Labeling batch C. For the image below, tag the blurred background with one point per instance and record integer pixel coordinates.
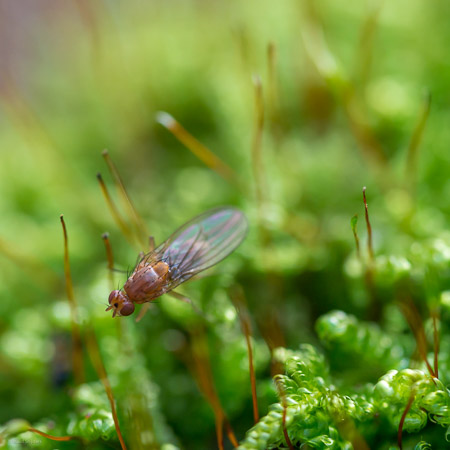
(302, 103)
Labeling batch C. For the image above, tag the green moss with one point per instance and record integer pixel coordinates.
(343, 96)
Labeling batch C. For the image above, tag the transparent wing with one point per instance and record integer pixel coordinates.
(202, 242)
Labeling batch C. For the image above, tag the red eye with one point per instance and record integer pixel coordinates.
(127, 309)
(112, 296)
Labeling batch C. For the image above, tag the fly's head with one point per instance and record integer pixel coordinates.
(120, 304)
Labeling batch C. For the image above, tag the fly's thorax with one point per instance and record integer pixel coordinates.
(147, 282)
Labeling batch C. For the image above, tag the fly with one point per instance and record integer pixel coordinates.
(194, 247)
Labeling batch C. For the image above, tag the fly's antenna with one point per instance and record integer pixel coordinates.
(78, 365)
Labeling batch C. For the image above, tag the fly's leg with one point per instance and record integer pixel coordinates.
(139, 259)
(143, 311)
(176, 295)
(141, 256)
(185, 299)
(151, 243)
(206, 274)
(119, 270)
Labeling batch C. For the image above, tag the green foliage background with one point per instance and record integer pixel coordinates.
(340, 114)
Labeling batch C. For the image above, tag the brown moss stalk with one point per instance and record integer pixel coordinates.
(124, 228)
(273, 93)
(49, 436)
(77, 354)
(138, 223)
(97, 362)
(415, 322)
(369, 228)
(201, 368)
(416, 139)
(257, 164)
(402, 419)
(239, 302)
(436, 345)
(198, 149)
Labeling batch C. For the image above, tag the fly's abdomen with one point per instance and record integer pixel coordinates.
(147, 282)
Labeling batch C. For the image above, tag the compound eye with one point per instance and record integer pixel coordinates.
(112, 296)
(127, 309)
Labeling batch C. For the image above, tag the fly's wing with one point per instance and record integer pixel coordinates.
(202, 242)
